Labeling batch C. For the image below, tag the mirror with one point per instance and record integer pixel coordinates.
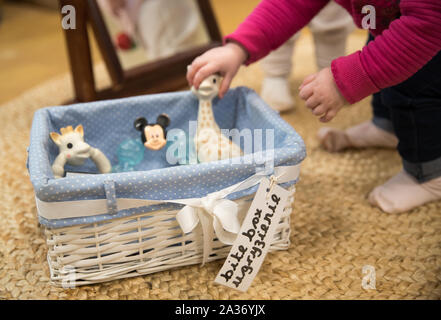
(146, 44)
(143, 31)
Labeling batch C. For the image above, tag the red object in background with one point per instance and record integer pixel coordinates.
(123, 41)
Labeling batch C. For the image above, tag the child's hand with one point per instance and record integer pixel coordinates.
(322, 95)
(226, 60)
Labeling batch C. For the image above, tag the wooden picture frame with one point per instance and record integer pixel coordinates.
(166, 74)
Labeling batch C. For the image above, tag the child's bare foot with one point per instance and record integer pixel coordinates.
(402, 193)
(364, 135)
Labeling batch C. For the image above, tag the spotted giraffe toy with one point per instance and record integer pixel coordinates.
(210, 143)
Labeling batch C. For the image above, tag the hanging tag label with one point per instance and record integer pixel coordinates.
(256, 234)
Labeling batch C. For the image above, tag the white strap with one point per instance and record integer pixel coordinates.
(87, 208)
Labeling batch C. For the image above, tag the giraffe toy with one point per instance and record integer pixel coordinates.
(210, 143)
(74, 151)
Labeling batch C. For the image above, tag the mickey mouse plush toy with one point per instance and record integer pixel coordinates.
(153, 135)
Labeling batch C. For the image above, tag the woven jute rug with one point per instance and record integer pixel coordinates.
(336, 233)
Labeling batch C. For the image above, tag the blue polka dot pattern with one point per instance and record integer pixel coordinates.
(109, 189)
(108, 123)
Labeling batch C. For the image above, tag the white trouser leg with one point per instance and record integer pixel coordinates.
(279, 62)
(277, 68)
(330, 29)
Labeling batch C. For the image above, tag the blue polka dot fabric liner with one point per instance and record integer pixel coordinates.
(108, 123)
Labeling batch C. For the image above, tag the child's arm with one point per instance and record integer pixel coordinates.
(271, 24)
(399, 52)
(406, 46)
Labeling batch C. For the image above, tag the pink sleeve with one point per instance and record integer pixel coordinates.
(394, 56)
(272, 23)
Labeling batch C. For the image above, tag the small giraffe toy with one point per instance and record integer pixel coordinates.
(210, 143)
(74, 151)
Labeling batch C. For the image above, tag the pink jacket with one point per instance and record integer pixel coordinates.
(408, 35)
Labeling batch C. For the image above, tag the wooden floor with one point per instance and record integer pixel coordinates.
(32, 47)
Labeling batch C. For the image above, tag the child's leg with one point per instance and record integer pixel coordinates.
(377, 132)
(415, 107)
(330, 29)
(277, 68)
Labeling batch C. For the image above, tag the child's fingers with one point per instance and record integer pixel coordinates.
(306, 92)
(312, 102)
(307, 80)
(320, 110)
(328, 116)
(203, 73)
(193, 68)
(225, 84)
(190, 75)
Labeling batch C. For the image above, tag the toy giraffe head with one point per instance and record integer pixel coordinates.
(209, 88)
(71, 144)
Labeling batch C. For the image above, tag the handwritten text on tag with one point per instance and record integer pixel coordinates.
(255, 236)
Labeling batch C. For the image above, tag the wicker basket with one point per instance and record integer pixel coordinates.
(101, 227)
(137, 245)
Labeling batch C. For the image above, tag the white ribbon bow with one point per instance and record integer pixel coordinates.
(223, 211)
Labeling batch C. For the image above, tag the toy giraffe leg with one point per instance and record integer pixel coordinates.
(210, 144)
